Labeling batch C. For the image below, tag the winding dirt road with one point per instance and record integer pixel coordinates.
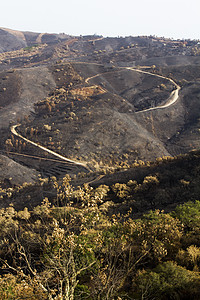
(170, 100)
(13, 130)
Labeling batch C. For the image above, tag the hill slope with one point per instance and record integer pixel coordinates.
(80, 97)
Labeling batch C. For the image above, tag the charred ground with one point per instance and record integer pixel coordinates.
(77, 97)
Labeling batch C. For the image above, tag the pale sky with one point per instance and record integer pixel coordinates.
(169, 18)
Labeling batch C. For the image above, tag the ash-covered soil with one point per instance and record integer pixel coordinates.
(77, 97)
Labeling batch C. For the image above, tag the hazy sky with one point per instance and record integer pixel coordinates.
(169, 18)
